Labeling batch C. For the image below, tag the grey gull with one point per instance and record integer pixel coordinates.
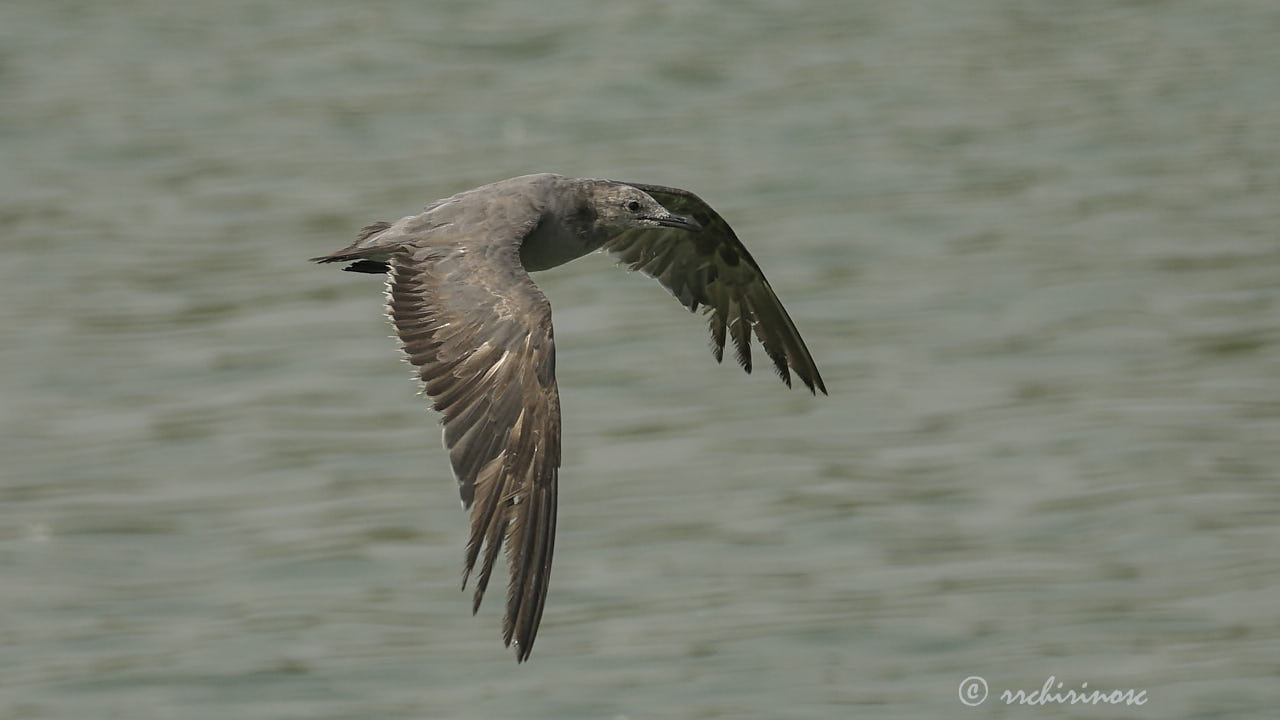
(479, 333)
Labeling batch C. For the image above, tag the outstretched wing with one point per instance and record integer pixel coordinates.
(479, 332)
(711, 268)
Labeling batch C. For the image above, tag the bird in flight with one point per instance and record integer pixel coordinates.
(478, 332)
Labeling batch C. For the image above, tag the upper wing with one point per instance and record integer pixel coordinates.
(479, 332)
(712, 268)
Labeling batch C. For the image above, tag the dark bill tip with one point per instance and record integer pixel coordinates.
(679, 222)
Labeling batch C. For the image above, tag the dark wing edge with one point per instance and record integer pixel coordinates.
(713, 270)
(483, 347)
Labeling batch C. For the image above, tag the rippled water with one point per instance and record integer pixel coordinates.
(1033, 246)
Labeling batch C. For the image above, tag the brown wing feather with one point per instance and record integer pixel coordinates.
(712, 269)
(479, 332)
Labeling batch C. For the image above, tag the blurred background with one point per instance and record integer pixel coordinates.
(1032, 245)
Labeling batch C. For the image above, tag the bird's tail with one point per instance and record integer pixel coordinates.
(364, 259)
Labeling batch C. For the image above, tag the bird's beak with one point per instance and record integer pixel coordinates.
(679, 222)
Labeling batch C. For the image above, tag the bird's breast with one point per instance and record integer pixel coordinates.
(551, 244)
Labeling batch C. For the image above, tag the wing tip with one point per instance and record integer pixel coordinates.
(523, 650)
(815, 384)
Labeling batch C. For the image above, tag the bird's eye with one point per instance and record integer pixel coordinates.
(633, 206)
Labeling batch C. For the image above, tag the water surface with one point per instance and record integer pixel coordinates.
(1032, 246)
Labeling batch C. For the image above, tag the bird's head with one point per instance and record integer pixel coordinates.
(619, 207)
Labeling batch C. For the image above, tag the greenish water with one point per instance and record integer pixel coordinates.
(1032, 245)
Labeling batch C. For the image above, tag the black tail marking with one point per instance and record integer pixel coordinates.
(373, 267)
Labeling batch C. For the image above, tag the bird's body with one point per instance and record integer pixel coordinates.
(479, 332)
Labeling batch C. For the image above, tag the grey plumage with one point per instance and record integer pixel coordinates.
(479, 333)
